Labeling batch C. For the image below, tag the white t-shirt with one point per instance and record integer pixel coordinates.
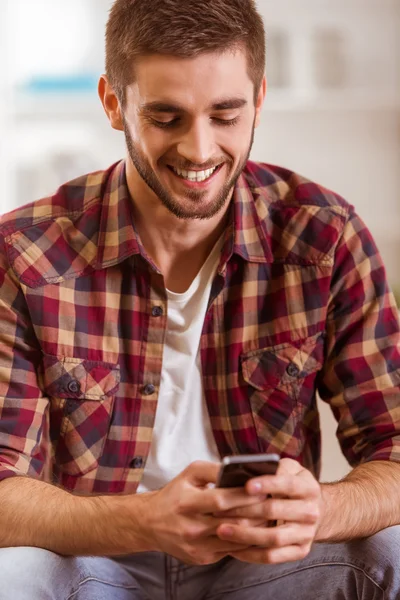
(182, 430)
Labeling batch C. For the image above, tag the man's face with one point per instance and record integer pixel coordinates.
(189, 128)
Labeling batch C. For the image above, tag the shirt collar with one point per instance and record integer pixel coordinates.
(117, 236)
(246, 234)
(250, 212)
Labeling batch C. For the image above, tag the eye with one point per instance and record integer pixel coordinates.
(164, 124)
(176, 121)
(226, 122)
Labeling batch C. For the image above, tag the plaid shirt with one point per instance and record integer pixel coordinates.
(299, 304)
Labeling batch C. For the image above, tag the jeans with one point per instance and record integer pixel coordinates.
(365, 569)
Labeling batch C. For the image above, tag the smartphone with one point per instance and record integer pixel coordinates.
(236, 470)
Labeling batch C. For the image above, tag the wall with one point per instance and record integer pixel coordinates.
(332, 112)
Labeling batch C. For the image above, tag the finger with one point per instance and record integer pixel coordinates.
(288, 466)
(275, 509)
(211, 552)
(216, 500)
(214, 544)
(244, 522)
(289, 486)
(201, 472)
(273, 555)
(270, 537)
(207, 525)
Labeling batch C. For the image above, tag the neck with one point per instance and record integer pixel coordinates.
(179, 247)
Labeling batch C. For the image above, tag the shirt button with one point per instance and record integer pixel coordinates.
(149, 389)
(137, 463)
(157, 311)
(293, 370)
(74, 386)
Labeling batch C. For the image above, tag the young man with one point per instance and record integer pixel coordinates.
(184, 305)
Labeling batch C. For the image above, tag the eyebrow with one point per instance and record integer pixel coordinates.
(166, 107)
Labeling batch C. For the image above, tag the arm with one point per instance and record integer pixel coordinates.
(363, 503)
(23, 406)
(360, 380)
(176, 519)
(35, 513)
(360, 505)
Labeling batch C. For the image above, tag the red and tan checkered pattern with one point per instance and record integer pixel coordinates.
(299, 304)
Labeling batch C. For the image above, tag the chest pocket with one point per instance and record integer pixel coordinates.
(81, 393)
(281, 390)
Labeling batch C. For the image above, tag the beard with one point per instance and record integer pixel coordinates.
(193, 207)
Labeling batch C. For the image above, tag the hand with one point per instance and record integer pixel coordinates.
(296, 505)
(178, 519)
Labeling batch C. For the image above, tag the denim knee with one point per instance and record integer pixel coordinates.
(380, 554)
(381, 549)
(28, 573)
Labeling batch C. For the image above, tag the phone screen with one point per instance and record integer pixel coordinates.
(237, 470)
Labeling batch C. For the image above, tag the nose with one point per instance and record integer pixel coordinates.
(196, 144)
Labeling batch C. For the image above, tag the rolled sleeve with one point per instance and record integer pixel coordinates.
(361, 376)
(23, 407)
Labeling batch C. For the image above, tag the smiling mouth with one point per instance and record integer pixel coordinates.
(195, 176)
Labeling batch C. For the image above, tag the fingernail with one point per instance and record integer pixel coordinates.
(255, 487)
(228, 531)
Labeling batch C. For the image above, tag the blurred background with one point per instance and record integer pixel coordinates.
(332, 112)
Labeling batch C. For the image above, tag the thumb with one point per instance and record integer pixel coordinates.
(201, 472)
(288, 466)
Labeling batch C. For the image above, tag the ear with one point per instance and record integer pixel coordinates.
(260, 101)
(110, 103)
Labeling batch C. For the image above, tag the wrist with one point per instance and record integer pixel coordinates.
(142, 520)
(324, 530)
(339, 512)
(126, 523)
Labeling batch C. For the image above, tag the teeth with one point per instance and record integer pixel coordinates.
(195, 175)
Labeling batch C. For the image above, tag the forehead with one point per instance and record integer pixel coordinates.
(191, 82)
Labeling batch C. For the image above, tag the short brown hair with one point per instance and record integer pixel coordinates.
(183, 28)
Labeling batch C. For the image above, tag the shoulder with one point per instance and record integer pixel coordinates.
(57, 237)
(71, 201)
(280, 188)
(303, 221)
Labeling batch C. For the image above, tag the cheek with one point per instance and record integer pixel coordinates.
(152, 147)
(143, 135)
(235, 141)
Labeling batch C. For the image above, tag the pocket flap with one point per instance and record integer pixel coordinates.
(282, 365)
(53, 251)
(66, 377)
